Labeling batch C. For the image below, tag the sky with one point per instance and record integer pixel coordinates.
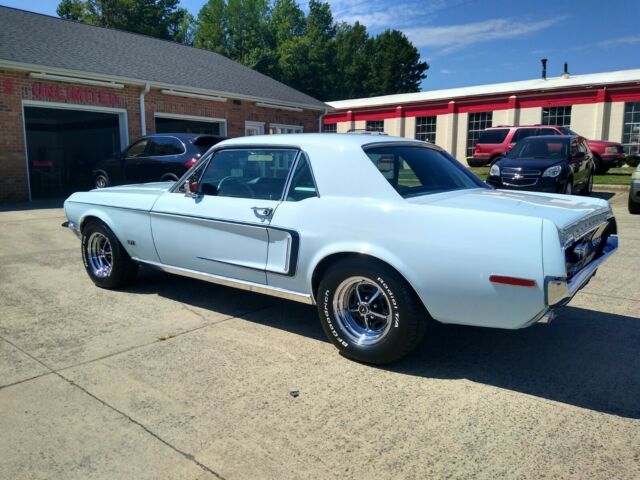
(472, 42)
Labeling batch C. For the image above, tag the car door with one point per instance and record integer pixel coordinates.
(576, 161)
(134, 156)
(163, 151)
(223, 229)
(584, 161)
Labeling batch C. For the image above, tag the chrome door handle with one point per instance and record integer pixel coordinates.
(263, 211)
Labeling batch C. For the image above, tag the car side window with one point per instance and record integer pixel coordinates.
(302, 184)
(547, 131)
(248, 173)
(163, 146)
(137, 149)
(523, 133)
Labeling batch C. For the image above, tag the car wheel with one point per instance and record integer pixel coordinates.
(369, 312)
(588, 188)
(477, 163)
(634, 207)
(169, 177)
(105, 259)
(600, 167)
(101, 180)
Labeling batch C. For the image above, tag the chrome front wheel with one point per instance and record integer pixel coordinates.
(99, 255)
(105, 260)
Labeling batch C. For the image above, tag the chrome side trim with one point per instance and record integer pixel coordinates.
(231, 282)
(73, 227)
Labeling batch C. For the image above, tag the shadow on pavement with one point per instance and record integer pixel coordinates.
(35, 205)
(584, 358)
(603, 195)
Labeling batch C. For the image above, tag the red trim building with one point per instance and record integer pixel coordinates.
(603, 106)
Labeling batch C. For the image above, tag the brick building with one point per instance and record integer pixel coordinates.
(72, 94)
(599, 106)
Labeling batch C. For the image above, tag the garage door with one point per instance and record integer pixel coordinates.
(63, 145)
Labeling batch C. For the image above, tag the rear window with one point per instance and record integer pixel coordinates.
(417, 170)
(205, 143)
(493, 136)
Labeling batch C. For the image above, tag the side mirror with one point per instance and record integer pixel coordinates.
(190, 188)
(578, 156)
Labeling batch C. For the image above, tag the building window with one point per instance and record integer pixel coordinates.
(631, 132)
(477, 123)
(426, 129)
(276, 128)
(560, 116)
(330, 128)
(253, 128)
(374, 126)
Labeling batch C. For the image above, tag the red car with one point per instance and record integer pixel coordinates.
(495, 142)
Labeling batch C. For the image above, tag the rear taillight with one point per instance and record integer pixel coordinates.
(190, 163)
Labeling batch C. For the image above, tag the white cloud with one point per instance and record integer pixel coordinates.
(381, 14)
(454, 37)
(446, 71)
(614, 42)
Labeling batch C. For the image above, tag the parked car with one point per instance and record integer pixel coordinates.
(153, 158)
(497, 141)
(379, 232)
(634, 192)
(558, 163)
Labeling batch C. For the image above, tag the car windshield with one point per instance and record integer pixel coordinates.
(419, 170)
(567, 131)
(539, 148)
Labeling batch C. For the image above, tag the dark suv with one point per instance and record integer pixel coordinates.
(163, 157)
(497, 141)
(552, 163)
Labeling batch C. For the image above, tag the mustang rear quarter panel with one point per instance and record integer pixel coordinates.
(446, 254)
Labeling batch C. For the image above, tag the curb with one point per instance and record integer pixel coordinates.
(606, 188)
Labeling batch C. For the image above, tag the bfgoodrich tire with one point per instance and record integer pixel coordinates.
(105, 259)
(369, 312)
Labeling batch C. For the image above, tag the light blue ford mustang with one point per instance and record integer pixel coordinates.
(384, 234)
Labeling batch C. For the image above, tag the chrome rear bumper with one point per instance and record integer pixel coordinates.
(559, 292)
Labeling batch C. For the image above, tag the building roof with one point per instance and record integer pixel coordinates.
(32, 39)
(551, 83)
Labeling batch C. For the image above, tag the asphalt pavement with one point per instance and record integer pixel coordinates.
(179, 379)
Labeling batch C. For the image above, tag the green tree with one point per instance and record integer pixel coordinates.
(158, 18)
(287, 21)
(353, 58)
(212, 27)
(395, 65)
(307, 62)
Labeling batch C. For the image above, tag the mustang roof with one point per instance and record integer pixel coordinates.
(39, 40)
(328, 141)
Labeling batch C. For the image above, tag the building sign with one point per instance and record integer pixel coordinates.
(75, 94)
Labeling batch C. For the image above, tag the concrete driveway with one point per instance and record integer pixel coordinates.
(175, 378)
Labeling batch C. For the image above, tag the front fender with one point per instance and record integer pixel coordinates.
(132, 228)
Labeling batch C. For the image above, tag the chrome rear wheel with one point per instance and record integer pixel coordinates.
(363, 310)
